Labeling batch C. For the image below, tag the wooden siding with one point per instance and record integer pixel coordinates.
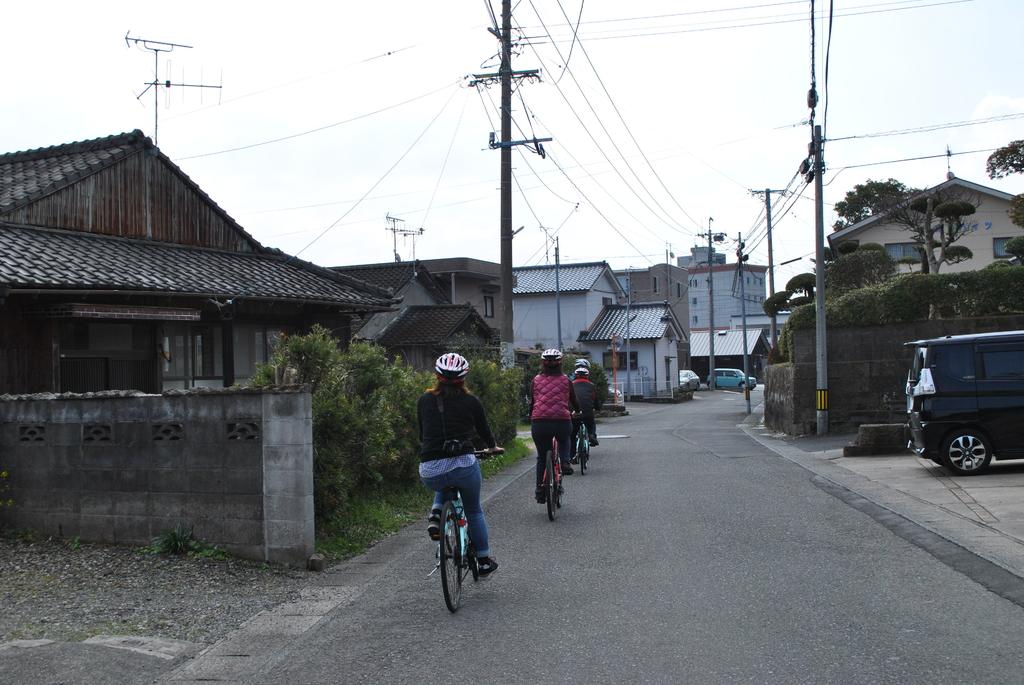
(26, 353)
(139, 197)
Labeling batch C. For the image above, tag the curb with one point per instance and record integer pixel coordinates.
(248, 651)
(985, 542)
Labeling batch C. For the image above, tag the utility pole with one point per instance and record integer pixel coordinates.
(820, 330)
(558, 297)
(740, 258)
(771, 255)
(156, 47)
(629, 296)
(504, 77)
(712, 239)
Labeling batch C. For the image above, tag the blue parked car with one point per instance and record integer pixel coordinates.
(732, 378)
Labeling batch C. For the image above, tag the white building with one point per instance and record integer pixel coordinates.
(988, 230)
(582, 290)
(651, 368)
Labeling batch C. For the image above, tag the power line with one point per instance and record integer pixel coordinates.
(596, 209)
(379, 181)
(629, 130)
(320, 128)
(607, 133)
(753, 24)
(444, 165)
(932, 127)
(575, 38)
(915, 159)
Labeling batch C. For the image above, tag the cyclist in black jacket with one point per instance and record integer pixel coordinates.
(449, 416)
(586, 393)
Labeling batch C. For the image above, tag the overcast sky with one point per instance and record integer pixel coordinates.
(668, 113)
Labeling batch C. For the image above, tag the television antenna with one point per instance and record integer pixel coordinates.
(396, 231)
(156, 47)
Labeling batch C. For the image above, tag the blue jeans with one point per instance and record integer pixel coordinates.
(543, 430)
(468, 480)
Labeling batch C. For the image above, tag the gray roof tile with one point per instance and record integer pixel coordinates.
(532, 280)
(32, 257)
(646, 322)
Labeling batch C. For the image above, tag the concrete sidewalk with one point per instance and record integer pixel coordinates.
(983, 514)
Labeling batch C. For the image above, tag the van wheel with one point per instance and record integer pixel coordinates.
(966, 452)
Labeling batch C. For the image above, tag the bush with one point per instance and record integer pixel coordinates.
(871, 247)
(858, 270)
(915, 297)
(365, 430)
(498, 390)
(847, 247)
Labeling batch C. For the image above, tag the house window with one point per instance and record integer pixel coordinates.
(655, 281)
(607, 362)
(606, 301)
(900, 250)
(488, 307)
(679, 289)
(694, 300)
(694, 319)
(999, 248)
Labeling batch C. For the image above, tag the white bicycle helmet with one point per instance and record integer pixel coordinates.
(552, 354)
(582, 363)
(582, 371)
(452, 366)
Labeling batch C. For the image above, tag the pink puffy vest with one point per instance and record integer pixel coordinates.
(550, 397)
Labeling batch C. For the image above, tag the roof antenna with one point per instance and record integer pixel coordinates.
(396, 231)
(156, 47)
(949, 171)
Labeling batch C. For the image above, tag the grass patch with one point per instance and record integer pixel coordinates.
(373, 516)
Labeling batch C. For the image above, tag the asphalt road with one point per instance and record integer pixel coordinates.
(688, 554)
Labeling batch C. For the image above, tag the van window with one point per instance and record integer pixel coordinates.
(917, 365)
(1003, 362)
(952, 365)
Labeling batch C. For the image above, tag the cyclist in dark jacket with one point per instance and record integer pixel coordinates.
(449, 416)
(586, 394)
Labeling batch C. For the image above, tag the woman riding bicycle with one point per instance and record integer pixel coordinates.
(552, 402)
(448, 417)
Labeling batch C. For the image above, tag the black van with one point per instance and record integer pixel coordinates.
(965, 398)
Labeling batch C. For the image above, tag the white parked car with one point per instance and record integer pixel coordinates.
(688, 380)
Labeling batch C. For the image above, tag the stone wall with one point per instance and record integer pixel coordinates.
(867, 372)
(123, 467)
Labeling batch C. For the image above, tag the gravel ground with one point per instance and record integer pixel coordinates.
(61, 591)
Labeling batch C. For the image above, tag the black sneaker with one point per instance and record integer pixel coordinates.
(567, 469)
(594, 442)
(486, 566)
(434, 524)
(541, 495)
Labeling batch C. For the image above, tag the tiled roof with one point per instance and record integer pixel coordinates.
(646, 322)
(392, 276)
(429, 324)
(531, 280)
(33, 257)
(727, 343)
(30, 175)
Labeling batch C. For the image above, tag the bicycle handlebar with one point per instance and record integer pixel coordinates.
(487, 454)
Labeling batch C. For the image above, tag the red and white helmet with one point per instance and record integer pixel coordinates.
(451, 366)
(551, 356)
(582, 371)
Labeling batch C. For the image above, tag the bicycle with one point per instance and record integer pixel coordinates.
(456, 556)
(552, 480)
(582, 447)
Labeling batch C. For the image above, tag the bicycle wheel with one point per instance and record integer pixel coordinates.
(451, 558)
(550, 485)
(583, 451)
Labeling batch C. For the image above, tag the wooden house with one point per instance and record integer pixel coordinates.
(118, 272)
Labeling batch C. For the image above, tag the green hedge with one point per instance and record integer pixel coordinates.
(364, 412)
(910, 298)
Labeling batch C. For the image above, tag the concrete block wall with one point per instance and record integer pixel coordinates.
(236, 466)
(867, 370)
